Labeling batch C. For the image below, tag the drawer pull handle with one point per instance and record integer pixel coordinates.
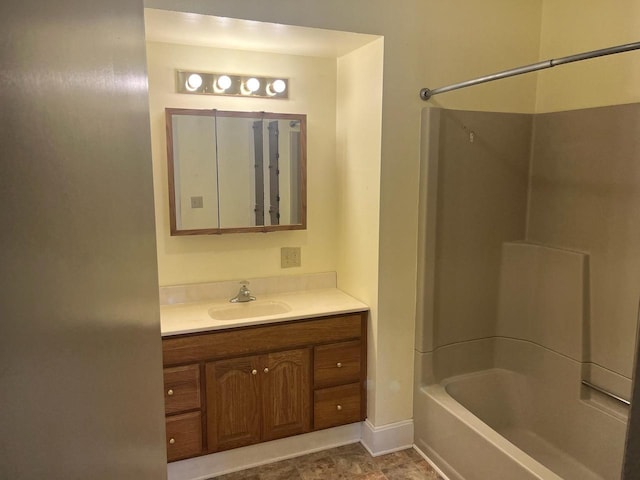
(339, 364)
(172, 441)
(339, 407)
(170, 392)
(266, 370)
(254, 372)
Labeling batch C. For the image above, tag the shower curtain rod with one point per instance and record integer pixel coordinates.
(426, 93)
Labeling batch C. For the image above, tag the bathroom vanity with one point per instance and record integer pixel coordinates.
(232, 383)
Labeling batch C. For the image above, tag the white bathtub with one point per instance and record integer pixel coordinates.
(533, 420)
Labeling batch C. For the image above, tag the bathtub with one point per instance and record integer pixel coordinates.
(532, 420)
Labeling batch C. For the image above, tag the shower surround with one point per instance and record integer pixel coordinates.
(531, 279)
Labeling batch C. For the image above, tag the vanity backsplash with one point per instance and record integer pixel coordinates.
(201, 292)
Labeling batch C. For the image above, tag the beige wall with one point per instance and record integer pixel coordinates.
(464, 40)
(358, 135)
(575, 26)
(235, 256)
(425, 44)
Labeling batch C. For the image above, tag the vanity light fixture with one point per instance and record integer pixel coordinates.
(276, 87)
(202, 83)
(223, 82)
(194, 82)
(252, 84)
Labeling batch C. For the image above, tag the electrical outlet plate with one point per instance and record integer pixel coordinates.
(290, 257)
(196, 202)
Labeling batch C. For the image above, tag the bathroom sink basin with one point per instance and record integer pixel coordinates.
(257, 308)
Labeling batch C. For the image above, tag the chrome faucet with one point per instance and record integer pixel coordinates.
(244, 295)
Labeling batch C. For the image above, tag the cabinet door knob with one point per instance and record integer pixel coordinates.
(169, 392)
(266, 370)
(339, 407)
(254, 372)
(339, 364)
(172, 441)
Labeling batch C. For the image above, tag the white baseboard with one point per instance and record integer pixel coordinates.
(377, 440)
(201, 468)
(387, 438)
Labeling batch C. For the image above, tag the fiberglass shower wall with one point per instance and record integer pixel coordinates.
(585, 196)
(569, 180)
(482, 170)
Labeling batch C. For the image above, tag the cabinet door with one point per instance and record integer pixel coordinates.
(233, 403)
(286, 393)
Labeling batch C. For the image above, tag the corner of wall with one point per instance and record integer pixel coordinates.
(387, 438)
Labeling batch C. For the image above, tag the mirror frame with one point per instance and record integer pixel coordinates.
(302, 118)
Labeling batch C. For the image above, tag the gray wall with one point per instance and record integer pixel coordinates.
(582, 193)
(80, 356)
(585, 196)
(477, 190)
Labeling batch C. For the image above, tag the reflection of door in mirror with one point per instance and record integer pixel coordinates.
(277, 178)
(258, 141)
(274, 172)
(236, 171)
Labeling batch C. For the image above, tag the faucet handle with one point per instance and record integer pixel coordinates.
(244, 294)
(244, 282)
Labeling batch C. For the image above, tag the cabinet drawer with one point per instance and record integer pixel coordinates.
(181, 388)
(184, 436)
(336, 406)
(336, 364)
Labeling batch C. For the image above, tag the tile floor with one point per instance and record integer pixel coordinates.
(346, 462)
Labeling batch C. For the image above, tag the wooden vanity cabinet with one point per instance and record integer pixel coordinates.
(182, 402)
(337, 373)
(258, 398)
(242, 386)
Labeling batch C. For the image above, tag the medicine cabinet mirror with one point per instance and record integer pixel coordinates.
(233, 172)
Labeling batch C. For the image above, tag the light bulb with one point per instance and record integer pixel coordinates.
(253, 84)
(223, 82)
(279, 86)
(193, 82)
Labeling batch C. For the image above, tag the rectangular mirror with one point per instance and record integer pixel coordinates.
(233, 172)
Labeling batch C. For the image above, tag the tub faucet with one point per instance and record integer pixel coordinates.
(244, 295)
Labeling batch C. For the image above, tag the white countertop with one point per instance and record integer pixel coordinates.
(194, 317)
